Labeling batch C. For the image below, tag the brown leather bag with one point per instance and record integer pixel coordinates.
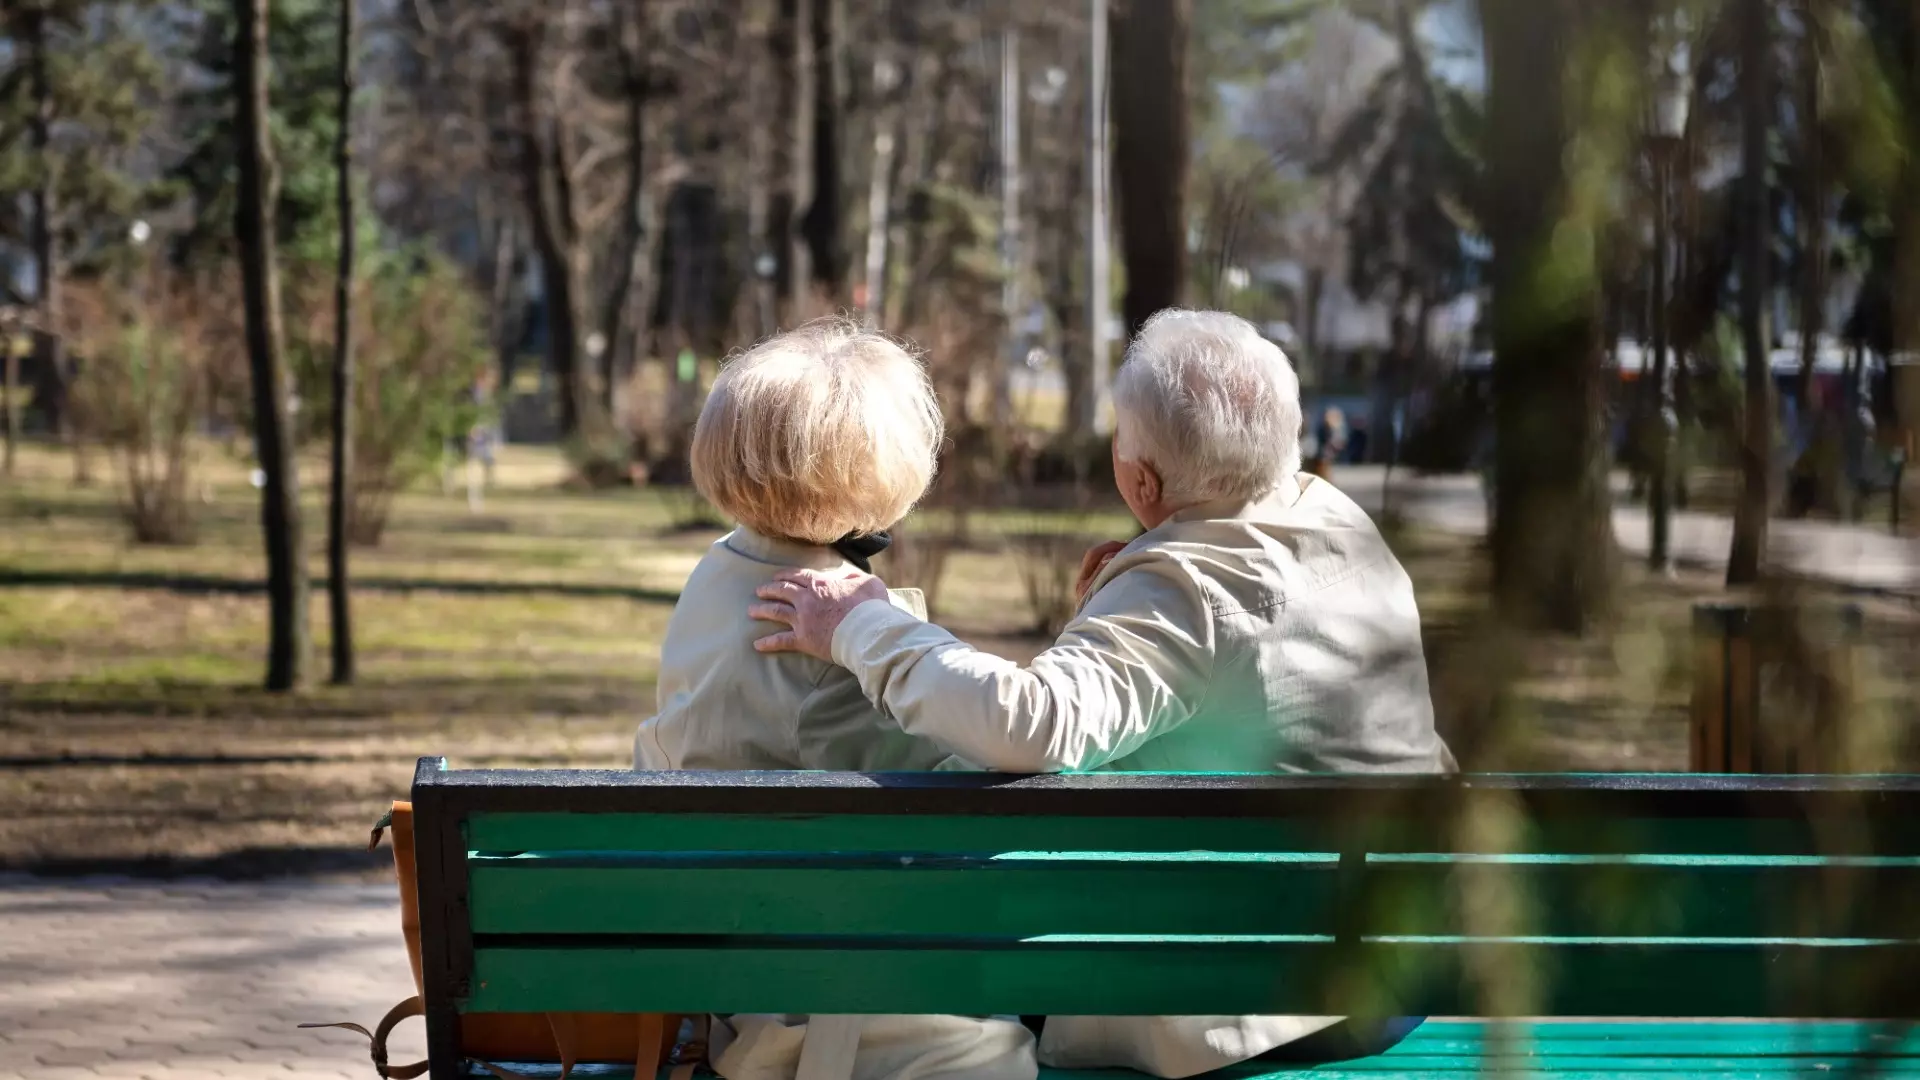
(488, 1037)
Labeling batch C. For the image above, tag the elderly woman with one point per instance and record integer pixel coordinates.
(815, 442)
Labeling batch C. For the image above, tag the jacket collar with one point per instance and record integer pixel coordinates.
(1288, 495)
(775, 552)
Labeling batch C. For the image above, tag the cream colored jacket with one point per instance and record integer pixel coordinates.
(1280, 635)
(724, 706)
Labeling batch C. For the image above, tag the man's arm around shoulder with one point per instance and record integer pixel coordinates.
(1133, 664)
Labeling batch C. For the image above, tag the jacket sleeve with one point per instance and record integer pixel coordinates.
(1133, 664)
(838, 729)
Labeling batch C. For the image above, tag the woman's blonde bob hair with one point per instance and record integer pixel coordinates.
(819, 433)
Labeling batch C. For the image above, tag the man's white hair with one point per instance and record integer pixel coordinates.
(1210, 404)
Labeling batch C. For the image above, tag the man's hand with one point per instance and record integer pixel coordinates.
(812, 605)
(1094, 561)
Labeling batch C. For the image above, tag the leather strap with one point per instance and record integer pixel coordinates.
(377, 1039)
(653, 1037)
(566, 1039)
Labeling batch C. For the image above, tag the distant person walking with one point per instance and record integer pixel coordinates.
(1330, 443)
(483, 439)
(479, 445)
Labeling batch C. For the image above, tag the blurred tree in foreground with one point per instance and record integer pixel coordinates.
(1756, 444)
(1553, 96)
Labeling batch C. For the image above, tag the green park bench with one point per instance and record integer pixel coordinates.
(1619, 924)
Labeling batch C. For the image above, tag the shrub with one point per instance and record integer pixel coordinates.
(418, 350)
(918, 558)
(150, 361)
(688, 511)
(600, 462)
(1047, 554)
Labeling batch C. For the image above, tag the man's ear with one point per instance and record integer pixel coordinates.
(1147, 486)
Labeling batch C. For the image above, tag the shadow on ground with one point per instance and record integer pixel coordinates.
(248, 864)
(214, 584)
(451, 698)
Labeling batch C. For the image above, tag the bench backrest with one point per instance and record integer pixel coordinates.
(1677, 896)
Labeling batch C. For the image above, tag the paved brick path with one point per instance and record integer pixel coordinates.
(179, 981)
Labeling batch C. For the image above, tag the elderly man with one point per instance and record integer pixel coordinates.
(1260, 623)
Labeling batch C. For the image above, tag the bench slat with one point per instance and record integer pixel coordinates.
(1034, 894)
(1720, 898)
(1134, 977)
(1008, 898)
(513, 832)
(906, 834)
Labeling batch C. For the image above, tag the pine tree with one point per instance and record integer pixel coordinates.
(303, 84)
(76, 93)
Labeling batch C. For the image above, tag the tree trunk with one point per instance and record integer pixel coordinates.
(1750, 514)
(339, 591)
(628, 305)
(508, 320)
(289, 645)
(880, 192)
(1813, 209)
(1316, 289)
(1553, 549)
(11, 359)
(923, 112)
(1660, 493)
(762, 262)
(44, 206)
(548, 189)
(801, 190)
(690, 227)
(1065, 228)
(824, 224)
(1150, 150)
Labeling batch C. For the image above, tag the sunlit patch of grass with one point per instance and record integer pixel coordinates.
(160, 674)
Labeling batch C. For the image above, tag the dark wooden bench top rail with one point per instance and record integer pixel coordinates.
(1618, 895)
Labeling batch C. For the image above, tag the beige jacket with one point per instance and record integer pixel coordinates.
(724, 706)
(1276, 636)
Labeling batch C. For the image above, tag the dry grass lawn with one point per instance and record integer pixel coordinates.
(133, 738)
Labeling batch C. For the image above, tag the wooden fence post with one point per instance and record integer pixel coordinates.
(1740, 724)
